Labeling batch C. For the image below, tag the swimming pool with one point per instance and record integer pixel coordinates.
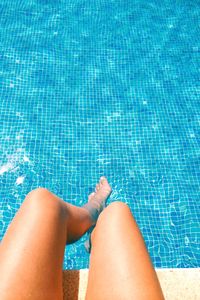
(91, 88)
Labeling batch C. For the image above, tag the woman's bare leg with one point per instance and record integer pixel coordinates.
(120, 267)
(31, 253)
(32, 250)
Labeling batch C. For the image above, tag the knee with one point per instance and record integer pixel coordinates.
(115, 211)
(38, 192)
(38, 196)
(42, 200)
(118, 207)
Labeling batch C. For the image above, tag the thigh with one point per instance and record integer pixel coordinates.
(31, 252)
(120, 267)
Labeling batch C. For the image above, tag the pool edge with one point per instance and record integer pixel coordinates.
(176, 283)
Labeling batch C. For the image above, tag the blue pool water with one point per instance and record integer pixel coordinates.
(91, 88)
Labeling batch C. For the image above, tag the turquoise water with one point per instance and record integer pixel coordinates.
(91, 88)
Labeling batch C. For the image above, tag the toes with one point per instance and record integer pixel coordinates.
(103, 183)
(103, 180)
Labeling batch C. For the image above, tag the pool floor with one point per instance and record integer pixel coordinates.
(91, 88)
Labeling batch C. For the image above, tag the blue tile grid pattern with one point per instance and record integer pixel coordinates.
(91, 88)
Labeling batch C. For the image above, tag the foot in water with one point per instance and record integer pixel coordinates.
(81, 219)
(97, 199)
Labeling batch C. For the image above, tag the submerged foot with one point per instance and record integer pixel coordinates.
(80, 219)
(97, 199)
